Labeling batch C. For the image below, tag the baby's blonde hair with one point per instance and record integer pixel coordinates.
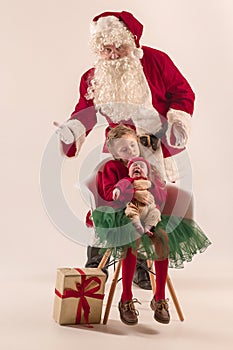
(117, 133)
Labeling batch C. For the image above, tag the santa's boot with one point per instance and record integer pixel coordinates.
(141, 275)
(94, 258)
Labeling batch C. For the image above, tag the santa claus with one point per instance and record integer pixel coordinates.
(137, 86)
(133, 85)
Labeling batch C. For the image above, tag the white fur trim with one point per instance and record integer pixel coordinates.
(172, 173)
(108, 31)
(146, 119)
(182, 121)
(138, 52)
(79, 143)
(72, 131)
(175, 114)
(79, 132)
(105, 24)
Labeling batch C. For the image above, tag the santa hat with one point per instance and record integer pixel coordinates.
(139, 159)
(118, 28)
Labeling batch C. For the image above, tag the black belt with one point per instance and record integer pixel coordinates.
(150, 140)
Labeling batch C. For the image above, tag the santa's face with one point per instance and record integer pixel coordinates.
(138, 169)
(126, 148)
(112, 52)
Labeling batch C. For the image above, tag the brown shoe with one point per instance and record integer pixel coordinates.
(128, 313)
(160, 308)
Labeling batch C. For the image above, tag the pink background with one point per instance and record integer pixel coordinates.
(44, 51)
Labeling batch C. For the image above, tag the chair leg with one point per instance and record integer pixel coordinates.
(150, 265)
(111, 292)
(153, 284)
(174, 298)
(104, 258)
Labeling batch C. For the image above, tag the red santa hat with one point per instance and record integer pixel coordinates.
(117, 28)
(139, 159)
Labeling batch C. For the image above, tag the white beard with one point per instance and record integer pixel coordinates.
(120, 90)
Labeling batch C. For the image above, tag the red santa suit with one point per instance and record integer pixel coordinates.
(171, 94)
(169, 89)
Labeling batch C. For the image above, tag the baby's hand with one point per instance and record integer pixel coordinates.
(115, 194)
(149, 233)
(144, 197)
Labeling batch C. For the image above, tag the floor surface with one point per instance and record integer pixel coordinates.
(27, 303)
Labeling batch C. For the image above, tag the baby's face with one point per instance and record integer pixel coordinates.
(138, 169)
(126, 148)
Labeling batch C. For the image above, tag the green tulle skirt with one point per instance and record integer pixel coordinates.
(177, 238)
(185, 239)
(115, 230)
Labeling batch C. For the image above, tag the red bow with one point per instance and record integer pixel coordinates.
(81, 293)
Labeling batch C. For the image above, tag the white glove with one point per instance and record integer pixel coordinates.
(65, 134)
(70, 131)
(180, 134)
(179, 125)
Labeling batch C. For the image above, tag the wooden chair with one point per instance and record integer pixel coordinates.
(178, 203)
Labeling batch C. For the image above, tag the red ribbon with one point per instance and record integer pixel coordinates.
(81, 293)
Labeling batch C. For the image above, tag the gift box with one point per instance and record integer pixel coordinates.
(79, 295)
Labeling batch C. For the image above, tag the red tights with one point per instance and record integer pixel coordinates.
(128, 268)
(161, 278)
